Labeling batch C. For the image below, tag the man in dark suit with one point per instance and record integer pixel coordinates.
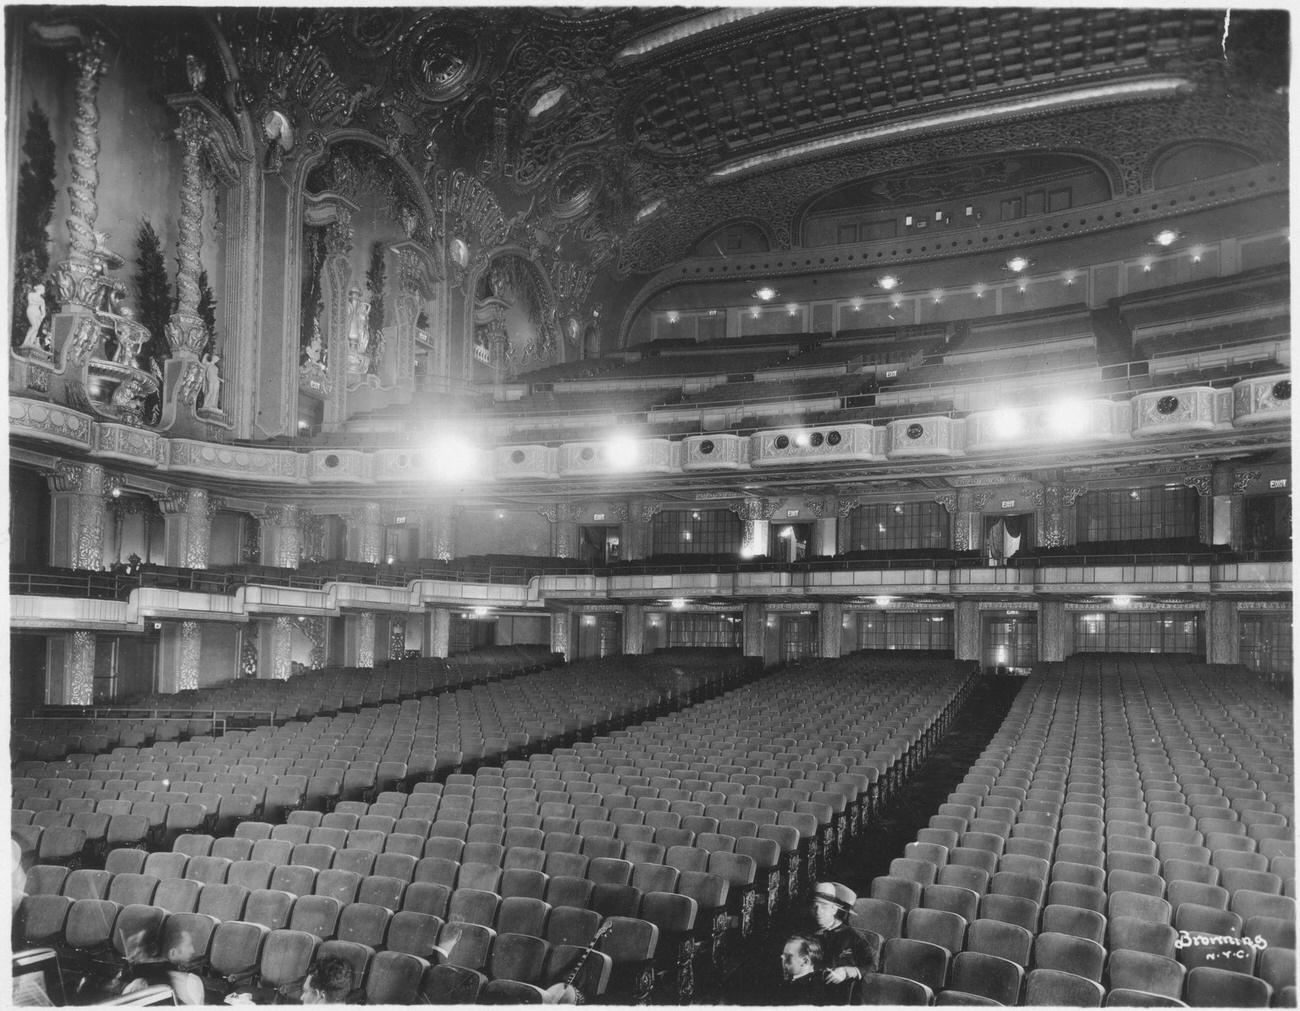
(801, 972)
(849, 953)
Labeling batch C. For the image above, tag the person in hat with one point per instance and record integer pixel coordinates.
(848, 954)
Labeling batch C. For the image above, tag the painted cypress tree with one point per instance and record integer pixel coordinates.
(34, 209)
(153, 292)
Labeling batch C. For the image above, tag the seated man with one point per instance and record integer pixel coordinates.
(849, 953)
(148, 966)
(802, 981)
(329, 982)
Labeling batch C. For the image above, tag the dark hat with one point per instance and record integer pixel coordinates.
(833, 891)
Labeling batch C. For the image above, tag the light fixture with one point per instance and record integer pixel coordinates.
(679, 603)
(116, 492)
(979, 291)
(1017, 264)
(453, 458)
(1146, 264)
(389, 560)
(1121, 601)
(898, 510)
(649, 209)
(887, 281)
(802, 439)
(674, 316)
(1166, 237)
(1007, 424)
(937, 295)
(623, 451)
(883, 601)
(1070, 275)
(856, 305)
(1134, 495)
(547, 100)
(1197, 253)
(765, 293)
(792, 308)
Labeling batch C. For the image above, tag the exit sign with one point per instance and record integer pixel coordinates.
(1008, 503)
(597, 516)
(1277, 482)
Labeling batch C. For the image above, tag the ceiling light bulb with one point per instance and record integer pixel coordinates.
(1017, 264)
(888, 281)
(883, 601)
(1166, 237)
(765, 293)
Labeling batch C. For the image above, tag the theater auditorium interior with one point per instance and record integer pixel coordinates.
(507, 498)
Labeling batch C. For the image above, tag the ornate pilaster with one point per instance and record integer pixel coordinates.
(83, 207)
(315, 629)
(282, 647)
(1202, 483)
(843, 527)
(1053, 631)
(81, 669)
(365, 638)
(636, 529)
(282, 540)
(966, 635)
(439, 626)
(191, 647)
(78, 515)
(634, 629)
(365, 533)
(560, 622)
(1222, 632)
(754, 628)
(397, 637)
(562, 517)
(438, 533)
(1056, 519)
(412, 290)
(966, 527)
(830, 631)
(187, 522)
(336, 214)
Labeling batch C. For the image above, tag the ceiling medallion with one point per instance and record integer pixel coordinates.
(444, 62)
(575, 190)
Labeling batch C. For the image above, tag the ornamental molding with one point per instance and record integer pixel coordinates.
(1241, 480)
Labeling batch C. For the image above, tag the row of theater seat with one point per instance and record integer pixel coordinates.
(244, 956)
(1064, 850)
(331, 759)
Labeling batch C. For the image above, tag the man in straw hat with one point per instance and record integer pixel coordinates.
(848, 954)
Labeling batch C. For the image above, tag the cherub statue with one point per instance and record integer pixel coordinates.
(128, 398)
(212, 381)
(35, 316)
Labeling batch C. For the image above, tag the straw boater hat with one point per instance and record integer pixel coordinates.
(835, 893)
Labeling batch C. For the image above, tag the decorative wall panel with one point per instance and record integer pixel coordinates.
(1163, 412)
(1262, 399)
(827, 443)
(916, 437)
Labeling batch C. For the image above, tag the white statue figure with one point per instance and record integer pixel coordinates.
(316, 349)
(211, 381)
(358, 322)
(130, 340)
(35, 315)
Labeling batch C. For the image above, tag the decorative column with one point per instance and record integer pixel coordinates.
(439, 632)
(1053, 630)
(183, 374)
(1056, 526)
(397, 637)
(843, 527)
(1229, 505)
(79, 683)
(825, 541)
(281, 650)
(756, 514)
(181, 648)
(636, 540)
(365, 533)
(438, 533)
(1201, 483)
(966, 635)
(754, 628)
(361, 632)
(412, 289)
(966, 520)
(634, 629)
(1222, 632)
(335, 214)
(78, 515)
(830, 618)
(560, 622)
(187, 526)
(562, 517)
(282, 536)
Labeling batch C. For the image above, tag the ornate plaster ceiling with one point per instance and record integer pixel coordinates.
(616, 138)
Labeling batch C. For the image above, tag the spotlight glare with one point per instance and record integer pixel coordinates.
(453, 458)
(801, 439)
(1068, 418)
(623, 452)
(1007, 424)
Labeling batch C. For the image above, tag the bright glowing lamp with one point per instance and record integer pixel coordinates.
(888, 281)
(1007, 424)
(453, 458)
(883, 601)
(623, 452)
(1121, 601)
(679, 603)
(1068, 419)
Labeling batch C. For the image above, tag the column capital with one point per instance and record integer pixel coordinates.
(85, 478)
